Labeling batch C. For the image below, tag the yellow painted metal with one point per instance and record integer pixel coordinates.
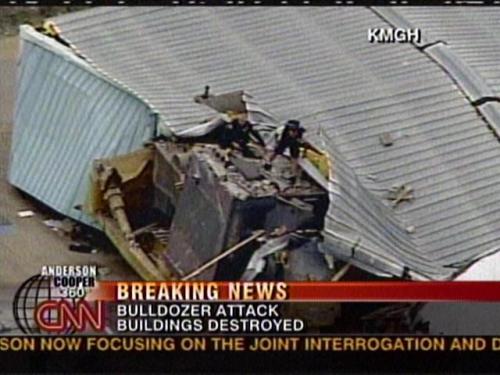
(320, 160)
(107, 205)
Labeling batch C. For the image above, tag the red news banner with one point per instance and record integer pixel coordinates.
(459, 291)
(222, 319)
(255, 324)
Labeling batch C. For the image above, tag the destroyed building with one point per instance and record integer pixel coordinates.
(411, 130)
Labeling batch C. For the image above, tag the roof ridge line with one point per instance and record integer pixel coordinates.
(467, 79)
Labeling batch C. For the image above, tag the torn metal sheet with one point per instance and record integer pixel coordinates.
(230, 102)
(227, 106)
(257, 262)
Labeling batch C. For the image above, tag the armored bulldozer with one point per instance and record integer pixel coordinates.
(189, 209)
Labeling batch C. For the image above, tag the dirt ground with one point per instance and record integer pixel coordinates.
(12, 16)
(31, 243)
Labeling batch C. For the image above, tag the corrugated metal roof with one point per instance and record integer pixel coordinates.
(316, 64)
(445, 152)
(491, 112)
(471, 83)
(293, 60)
(472, 33)
(66, 116)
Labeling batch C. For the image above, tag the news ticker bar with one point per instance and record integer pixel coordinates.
(246, 354)
(249, 2)
(387, 291)
(242, 343)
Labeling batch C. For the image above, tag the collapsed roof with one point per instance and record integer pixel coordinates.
(411, 128)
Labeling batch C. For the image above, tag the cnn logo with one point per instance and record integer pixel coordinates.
(60, 316)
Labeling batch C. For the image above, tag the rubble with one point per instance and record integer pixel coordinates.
(64, 227)
(82, 248)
